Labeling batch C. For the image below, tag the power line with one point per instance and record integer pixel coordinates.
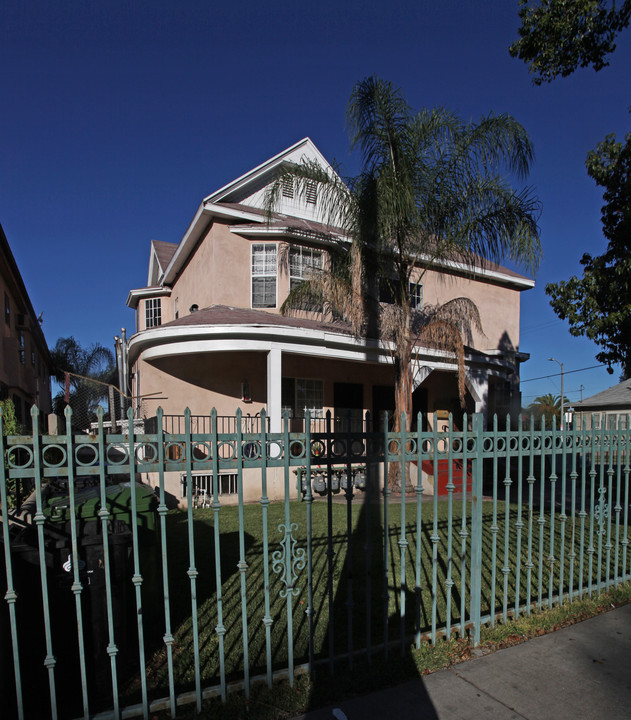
(532, 328)
(567, 372)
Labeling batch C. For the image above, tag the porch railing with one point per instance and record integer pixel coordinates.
(114, 603)
(252, 424)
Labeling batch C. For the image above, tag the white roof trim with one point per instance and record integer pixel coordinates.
(264, 168)
(136, 295)
(154, 262)
(201, 220)
(184, 340)
(477, 270)
(232, 213)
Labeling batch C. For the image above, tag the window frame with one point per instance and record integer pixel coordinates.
(266, 273)
(153, 310)
(416, 295)
(300, 405)
(302, 251)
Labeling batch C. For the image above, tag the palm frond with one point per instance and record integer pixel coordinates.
(432, 188)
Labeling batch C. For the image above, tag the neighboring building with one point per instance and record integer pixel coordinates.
(209, 332)
(609, 409)
(25, 363)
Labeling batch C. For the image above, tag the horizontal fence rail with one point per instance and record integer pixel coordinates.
(118, 602)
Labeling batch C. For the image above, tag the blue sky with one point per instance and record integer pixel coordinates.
(119, 117)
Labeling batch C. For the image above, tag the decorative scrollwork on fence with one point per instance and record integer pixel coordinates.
(601, 511)
(288, 561)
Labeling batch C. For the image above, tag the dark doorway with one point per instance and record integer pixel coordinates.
(419, 405)
(348, 399)
(382, 402)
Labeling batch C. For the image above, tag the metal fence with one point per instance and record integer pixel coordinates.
(114, 603)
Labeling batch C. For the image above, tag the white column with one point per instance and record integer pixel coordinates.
(477, 382)
(274, 395)
(420, 374)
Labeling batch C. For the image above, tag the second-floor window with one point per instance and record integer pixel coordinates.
(153, 312)
(416, 296)
(264, 272)
(387, 291)
(7, 309)
(302, 263)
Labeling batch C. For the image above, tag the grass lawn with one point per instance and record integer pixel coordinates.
(359, 580)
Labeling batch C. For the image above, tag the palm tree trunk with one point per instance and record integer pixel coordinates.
(403, 411)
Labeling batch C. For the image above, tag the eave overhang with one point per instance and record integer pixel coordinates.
(162, 342)
(198, 227)
(138, 294)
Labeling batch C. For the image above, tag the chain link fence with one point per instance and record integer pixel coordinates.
(84, 396)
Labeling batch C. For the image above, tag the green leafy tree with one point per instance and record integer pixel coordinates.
(84, 373)
(547, 406)
(598, 304)
(431, 187)
(10, 426)
(558, 36)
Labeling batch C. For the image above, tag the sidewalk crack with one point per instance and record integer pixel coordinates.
(488, 694)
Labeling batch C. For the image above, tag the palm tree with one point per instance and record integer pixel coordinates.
(85, 374)
(547, 406)
(431, 188)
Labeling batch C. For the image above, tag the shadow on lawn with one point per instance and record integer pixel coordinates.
(368, 646)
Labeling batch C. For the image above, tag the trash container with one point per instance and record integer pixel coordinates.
(92, 572)
(119, 504)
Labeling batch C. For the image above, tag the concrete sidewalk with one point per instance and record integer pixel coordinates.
(582, 672)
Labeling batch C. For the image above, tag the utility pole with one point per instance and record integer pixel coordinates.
(562, 396)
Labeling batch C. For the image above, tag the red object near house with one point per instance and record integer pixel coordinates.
(442, 471)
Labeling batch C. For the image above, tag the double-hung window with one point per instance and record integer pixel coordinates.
(302, 263)
(416, 296)
(153, 312)
(264, 272)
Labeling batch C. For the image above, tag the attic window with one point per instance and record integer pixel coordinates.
(311, 194)
(288, 187)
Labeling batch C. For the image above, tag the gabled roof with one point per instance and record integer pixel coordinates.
(161, 255)
(618, 396)
(237, 189)
(239, 200)
(242, 201)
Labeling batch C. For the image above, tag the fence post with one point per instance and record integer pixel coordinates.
(476, 525)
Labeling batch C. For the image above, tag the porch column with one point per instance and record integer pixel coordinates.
(420, 374)
(274, 395)
(477, 382)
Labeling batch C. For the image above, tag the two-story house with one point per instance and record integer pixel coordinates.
(209, 332)
(25, 364)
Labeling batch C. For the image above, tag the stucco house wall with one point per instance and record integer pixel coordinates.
(210, 348)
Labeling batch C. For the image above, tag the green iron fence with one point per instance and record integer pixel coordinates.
(116, 604)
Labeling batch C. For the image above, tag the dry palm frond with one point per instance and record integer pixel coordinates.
(461, 312)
